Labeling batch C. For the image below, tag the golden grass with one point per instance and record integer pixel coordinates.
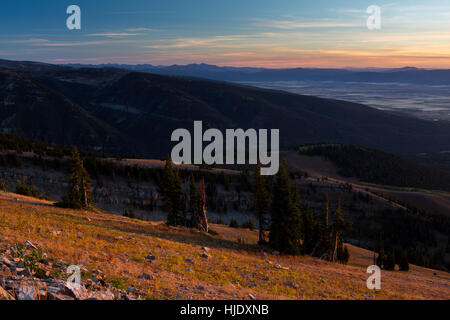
(118, 247)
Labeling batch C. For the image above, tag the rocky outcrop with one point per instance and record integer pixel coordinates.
(24, 279)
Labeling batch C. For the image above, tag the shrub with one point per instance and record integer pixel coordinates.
(219, 221)
(343, 255)
(3, 185)
(28, 190)
(403, 263)
(249, 225)
(129, 212)
(234, 223)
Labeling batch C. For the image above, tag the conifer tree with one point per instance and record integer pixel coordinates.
(403, 263)
(323, 232)
(197, 205)
(177, 200)
(193, 200)
(381, 258)
(343, 255)
(389, 263)
(285, 228)
(261, 201)
(339, 226)
(308, 227)
(172, 194)
(79, 196)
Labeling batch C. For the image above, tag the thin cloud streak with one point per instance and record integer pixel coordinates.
(113, 35)
(294, 24)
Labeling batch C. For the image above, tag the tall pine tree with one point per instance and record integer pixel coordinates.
(323, 233)
(339, 226)
(261, 201)
(172, 194)
(285, 228)
(308, 226)
(79, 195)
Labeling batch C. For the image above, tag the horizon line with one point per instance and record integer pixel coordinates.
(221, 66)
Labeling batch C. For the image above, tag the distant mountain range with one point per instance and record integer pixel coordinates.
(122, 111)
(401, 75)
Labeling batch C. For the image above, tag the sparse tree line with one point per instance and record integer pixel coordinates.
(184, 208)
(294, 229)
(379, 167)
(408, 231)
(387, 260)
(288, 226)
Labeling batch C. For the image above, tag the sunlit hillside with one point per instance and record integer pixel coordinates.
(153, 261)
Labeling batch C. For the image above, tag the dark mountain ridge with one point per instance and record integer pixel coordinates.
(409, 75)
(119, 111)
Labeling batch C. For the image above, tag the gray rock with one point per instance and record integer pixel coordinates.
(291, 284)
(53, 289)
(5, 261)
(78, 293)
(26, 293)
(100, 295)
(23, 272)
(150, 257)
(146, 276)
(58, 296)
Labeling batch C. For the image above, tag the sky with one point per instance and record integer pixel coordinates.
(257, 33)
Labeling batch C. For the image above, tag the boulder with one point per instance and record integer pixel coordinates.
(150, 257)
(58, 296)
(26, 293)
(146, 276)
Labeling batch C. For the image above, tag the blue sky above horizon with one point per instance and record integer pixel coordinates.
(283, 33)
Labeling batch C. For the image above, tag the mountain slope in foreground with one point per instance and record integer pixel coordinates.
(157, 262)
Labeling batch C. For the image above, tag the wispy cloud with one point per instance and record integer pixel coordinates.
(297, 24)
(195, 42)
(79, 43)
(140, 29)
(29, 41)
(113, 34)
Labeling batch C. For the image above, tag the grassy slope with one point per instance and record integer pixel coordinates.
(118, 246)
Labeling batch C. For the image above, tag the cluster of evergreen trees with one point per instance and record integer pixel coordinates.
(183, 209)
(388, 260)
(26, 189)
(296, 230)
(292, 229)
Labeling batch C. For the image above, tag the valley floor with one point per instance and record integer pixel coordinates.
(159, 262)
